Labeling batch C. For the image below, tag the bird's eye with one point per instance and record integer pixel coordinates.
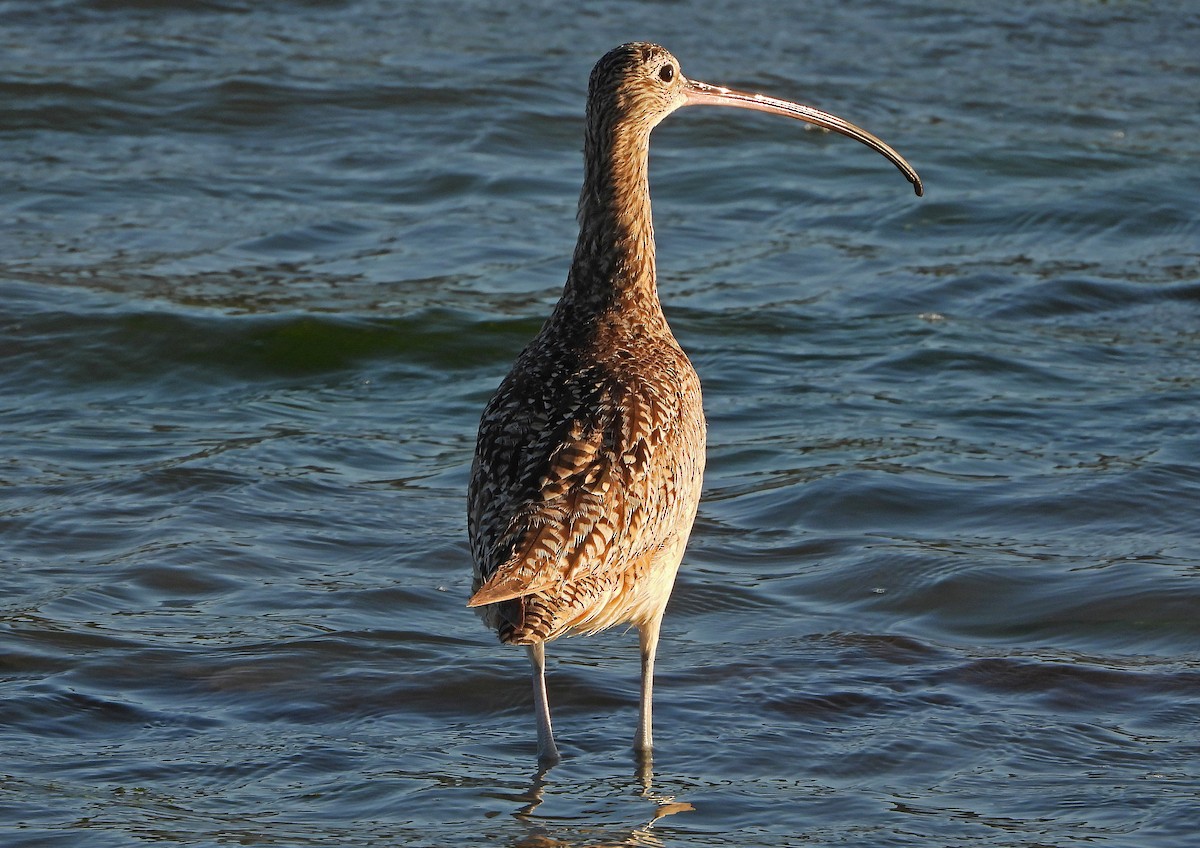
(667, 73)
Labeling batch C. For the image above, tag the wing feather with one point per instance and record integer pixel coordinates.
(560, 500)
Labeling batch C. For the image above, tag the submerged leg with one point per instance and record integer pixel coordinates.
(648, 633)
(547, 751)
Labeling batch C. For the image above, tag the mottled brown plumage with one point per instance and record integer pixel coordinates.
(589, 461)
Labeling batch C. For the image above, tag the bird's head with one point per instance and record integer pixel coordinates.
(634, 86)
(637, 85)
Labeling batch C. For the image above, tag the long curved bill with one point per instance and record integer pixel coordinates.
(703, 94)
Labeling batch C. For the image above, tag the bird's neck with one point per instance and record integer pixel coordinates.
(613, 267)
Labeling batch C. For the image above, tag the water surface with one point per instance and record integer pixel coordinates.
(262, 265)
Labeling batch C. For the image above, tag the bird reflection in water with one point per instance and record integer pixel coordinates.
(642, 835)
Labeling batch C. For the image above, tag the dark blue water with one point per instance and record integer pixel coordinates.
(261, 266)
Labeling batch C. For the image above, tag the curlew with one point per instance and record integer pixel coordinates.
(590, 455)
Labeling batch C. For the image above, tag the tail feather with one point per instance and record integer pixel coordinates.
(507, 584)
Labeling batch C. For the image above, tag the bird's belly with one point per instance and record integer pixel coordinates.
(649, 593)
(638, 594)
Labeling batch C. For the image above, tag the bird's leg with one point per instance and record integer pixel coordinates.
(547, 751)
(648, 633)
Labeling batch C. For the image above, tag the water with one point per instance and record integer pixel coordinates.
(262, 264)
